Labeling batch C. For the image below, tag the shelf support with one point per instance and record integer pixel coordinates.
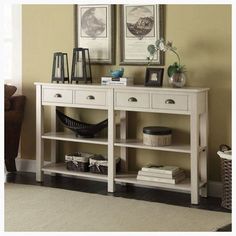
(53, 129)
(39, 132)
(123, 136)
(204, 142)
(111, 138)
(53, 142)
(194, 137)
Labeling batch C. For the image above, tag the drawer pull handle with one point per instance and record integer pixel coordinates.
(132, 99)
(169, 101)
(57, 95)
(90, 97)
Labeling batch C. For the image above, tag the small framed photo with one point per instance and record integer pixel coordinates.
(154, 77)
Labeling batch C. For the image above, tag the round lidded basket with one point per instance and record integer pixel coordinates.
(157, 136)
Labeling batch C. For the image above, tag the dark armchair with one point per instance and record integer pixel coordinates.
(14, 112)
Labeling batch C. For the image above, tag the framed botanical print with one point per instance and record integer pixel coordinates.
(140, 26)
(94, 29)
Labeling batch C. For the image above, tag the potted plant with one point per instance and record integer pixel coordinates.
(176, 71)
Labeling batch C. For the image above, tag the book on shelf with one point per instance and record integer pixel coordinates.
(170, 170)
(117, 81)
(160, 175)
(162, 180)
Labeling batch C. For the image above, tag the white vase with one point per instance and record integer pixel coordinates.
(177, 80)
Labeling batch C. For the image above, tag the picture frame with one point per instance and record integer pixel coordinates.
(154, 77)
(140, 25)
(94, 29)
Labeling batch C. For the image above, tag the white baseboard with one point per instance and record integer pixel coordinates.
(27, 165)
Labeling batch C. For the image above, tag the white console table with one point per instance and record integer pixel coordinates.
(188, 101)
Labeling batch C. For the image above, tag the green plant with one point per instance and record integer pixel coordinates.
(162, 46)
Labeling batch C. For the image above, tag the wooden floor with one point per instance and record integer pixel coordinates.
(128, 191)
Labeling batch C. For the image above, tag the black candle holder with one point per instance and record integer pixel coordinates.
(81, 67)
(60, 69)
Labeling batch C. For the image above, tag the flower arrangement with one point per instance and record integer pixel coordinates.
(163, 46)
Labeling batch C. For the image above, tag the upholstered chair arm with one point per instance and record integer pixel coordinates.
(18, 103)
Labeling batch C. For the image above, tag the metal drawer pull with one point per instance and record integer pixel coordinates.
(90, 97)
(132, 99)
(169, 101)
(57, 95)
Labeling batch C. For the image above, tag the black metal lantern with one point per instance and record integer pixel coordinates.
(81, 67)
(60, 69)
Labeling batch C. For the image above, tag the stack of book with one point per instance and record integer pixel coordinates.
(117, 81)
(161, 174)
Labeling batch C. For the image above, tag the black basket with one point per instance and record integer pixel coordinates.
(78, 161)
(79, 166)
(97, 166)
(80, 128)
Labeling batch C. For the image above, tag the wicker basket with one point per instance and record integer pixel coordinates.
(98, 164)
(226, 176)
(80, 128)
(78, 161)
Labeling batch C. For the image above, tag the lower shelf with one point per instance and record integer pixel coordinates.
(183, 186)
(60, 168)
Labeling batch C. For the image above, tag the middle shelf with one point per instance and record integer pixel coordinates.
(135, 143)
(130, 143)
(66, 136)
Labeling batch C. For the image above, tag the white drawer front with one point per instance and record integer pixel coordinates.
(57, 95)
(170, 102)
(132, 99)
(91, 97)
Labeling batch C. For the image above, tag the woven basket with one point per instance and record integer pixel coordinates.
(78, 166)
(78, 161)
(226, 175)
(80, 128)
(99, 164)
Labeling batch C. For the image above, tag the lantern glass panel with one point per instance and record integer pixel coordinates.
(66, 72)
(57, 72)
(79, 65)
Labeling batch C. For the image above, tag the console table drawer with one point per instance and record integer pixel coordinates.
(91, 97)
(170, 102)
(57, 95)
(132, 99)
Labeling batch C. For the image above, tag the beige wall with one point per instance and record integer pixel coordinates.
(202, 34)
